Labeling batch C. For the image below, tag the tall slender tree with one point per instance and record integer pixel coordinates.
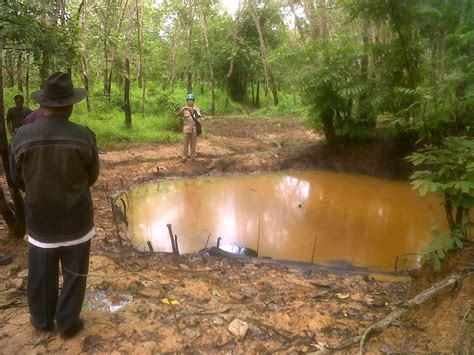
(270, 80)
(126, 89)
(85, 52)
(209, 60)
(190, 22)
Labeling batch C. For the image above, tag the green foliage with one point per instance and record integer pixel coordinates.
(50, 37)
(448, 170)
(336, 91)
(290, 105)
(440, 244)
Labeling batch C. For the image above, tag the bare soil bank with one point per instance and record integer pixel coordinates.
(286, 310)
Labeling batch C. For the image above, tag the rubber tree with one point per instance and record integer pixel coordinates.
(174, 49)
(109, 62)
(298, 22)
(270, 79)
(85, 52)
(126, 73)
(209, 58)
(141, 79)
(190, 45)
(235, 39)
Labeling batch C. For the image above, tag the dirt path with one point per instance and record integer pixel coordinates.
(285, 310)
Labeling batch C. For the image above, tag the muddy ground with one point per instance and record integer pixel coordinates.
(287, 310)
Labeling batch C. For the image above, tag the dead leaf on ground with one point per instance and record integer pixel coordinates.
(238, 328)
(170, 302)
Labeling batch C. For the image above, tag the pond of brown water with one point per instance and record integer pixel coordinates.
(308, 216)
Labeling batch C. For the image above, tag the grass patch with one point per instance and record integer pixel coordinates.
(111, 131)
(158, 122)
(288, 106)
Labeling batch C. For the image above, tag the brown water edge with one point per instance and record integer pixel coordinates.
(310, 216)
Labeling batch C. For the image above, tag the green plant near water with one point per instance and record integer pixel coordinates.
(448, 170)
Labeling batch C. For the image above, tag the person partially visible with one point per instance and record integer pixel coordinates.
(56, 162)
(191, 116)
(16, 115)
(34, 116)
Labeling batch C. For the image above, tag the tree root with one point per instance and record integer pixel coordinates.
(422, 297)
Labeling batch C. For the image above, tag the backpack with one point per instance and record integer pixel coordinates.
(196, 117)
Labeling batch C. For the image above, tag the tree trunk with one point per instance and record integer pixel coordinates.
(270, 80)
(328, 126)
(10, 64)
(126, 90)
(44, 67)
(190, 43)
(143, 97)
(19, 71)
(27, 80)
(114, 51)
(15, 218)
(257, 96)
(141, 78)
(209, 60)
(140, 40)
(253, 93)
(85, 54)
(106, 66)
(234, 44)
(311, 15)
(448, 209)
(323, 21)
(201, 83)
(395, 18)
(298, 23)
(364, 69)
(174, 51)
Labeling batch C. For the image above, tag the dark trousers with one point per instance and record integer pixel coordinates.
(45, 303)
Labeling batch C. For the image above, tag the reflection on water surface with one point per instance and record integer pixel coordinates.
(303, 216)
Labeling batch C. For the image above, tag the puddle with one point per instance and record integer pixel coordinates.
(311, 216)
(106, 301)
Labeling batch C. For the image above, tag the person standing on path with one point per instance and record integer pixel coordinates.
(191, 128)
(16, 115)
(55, 162)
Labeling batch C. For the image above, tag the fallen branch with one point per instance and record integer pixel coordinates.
(415, 301)
(276, 332)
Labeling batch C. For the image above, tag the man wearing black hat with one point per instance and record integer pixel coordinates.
(55, 162)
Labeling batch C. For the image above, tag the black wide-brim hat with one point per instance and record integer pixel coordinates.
(58, 91)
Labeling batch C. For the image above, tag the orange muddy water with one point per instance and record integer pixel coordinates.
(307, 216)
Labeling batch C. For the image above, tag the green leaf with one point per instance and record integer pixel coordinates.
(436, 263)
(423, 189)
(458, 242)
(440, 253)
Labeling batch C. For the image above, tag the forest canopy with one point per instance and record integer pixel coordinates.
(350, 64)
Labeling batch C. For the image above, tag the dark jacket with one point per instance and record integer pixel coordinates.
(55, 162)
